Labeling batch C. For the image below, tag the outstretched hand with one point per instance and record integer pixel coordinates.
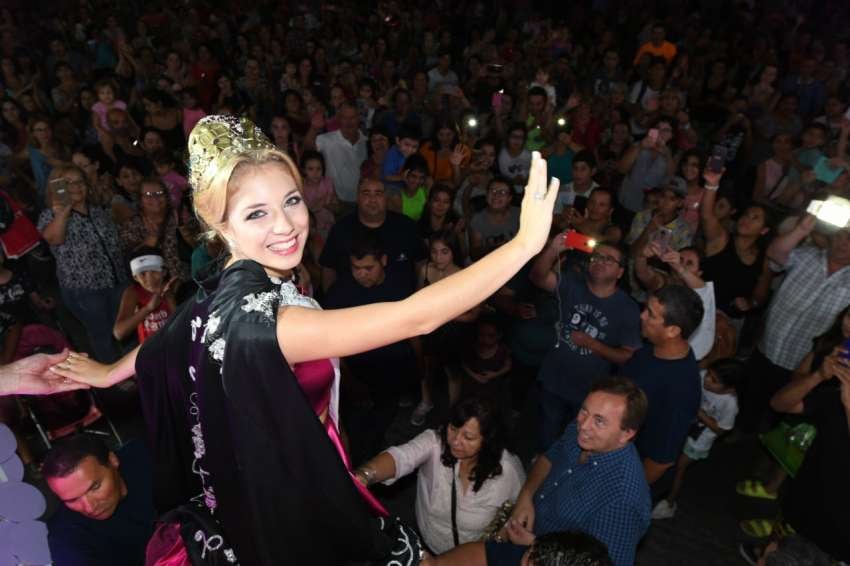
(79, 368)
(32, 376)
(535, 218)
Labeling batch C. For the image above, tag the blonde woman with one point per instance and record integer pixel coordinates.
(233, 385)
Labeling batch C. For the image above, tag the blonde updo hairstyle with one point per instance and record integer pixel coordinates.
(212, 192)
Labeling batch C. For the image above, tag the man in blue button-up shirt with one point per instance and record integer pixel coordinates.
(590, 480)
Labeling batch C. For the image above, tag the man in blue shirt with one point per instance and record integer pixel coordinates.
(591, 480)
(599, 327)
(107, 514)
(666, 370)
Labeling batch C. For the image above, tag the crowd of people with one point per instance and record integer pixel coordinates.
(684, 290)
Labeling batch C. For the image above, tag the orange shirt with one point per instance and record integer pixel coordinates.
(666, 50)
(441, 168)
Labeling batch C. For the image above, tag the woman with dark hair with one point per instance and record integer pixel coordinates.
(13, 124)
(438, 215)
(464, 470)
(155, 226)
(735, 260)
(444, 153)
(163, 115)
(379, 144)
(296, 112)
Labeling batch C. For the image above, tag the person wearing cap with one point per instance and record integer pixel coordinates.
(665, 214)
(147, 303)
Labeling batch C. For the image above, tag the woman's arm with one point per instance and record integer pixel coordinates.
(715, 234)
(54, 233)
(307, 334)
(82, 369)
(128, 317)
(377, 470)
(789, 399)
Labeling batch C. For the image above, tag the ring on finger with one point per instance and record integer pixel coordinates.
(540, 195)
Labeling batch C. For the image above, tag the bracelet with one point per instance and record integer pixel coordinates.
(367, 473)
(712, 187)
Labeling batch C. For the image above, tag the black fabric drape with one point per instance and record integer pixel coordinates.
(283, 493)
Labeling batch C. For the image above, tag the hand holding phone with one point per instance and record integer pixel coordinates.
(662, 238)
(717, 161)
(61, 196)
(575, 241)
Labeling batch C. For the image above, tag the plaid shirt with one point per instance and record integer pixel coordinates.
(606, 496)
(804, 307)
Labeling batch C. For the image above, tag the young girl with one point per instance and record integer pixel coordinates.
(443, 347)
(163, 163)
(192, 112)
(106, 100)
(147, 303)
(319, 191)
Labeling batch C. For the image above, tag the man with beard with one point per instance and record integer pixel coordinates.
(599, 327)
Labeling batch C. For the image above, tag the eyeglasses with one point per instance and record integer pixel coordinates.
(152, 194)
(602, 258)
(500, 192)
(76, 184)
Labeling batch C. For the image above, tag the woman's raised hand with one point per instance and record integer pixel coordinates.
(536, 214)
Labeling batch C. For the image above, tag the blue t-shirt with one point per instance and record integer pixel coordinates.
(76, 540)
(674, 391)
(569, 370)
(393, 162)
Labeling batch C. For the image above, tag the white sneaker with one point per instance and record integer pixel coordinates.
(663, 510)
(419, 413)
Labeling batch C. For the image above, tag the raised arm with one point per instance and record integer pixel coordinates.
(307, 334)
(715, 234)
(780, 248)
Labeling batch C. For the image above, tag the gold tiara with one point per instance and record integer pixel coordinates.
(215, 138)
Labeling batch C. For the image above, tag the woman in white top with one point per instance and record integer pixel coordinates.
(466, 454)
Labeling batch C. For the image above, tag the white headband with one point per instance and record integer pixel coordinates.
(146, 263)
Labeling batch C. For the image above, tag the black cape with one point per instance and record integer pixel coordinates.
(283, 494)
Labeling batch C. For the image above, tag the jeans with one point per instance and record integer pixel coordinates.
(96, 310)
(554, 416)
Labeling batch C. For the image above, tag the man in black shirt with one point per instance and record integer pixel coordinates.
(397, 232)
(391, 370)
(107, 514)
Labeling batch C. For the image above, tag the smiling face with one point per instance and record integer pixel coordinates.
(599, 421)
(92, 489)
(266, 220)
(154, 199)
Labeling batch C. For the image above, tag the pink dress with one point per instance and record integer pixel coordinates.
(316, 380)
(101, 110)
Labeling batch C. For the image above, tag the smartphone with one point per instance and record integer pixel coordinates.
(60, 192)
(717, 161)
(496, 99)
(825, 172)
(652, 134)
(575, 241)
(846, 346)
(662, 238)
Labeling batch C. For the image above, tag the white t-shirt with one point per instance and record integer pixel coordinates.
(510, 166)
(475, 510)
(343, 160)
(722, 408)
(567, 196)
(702, 340)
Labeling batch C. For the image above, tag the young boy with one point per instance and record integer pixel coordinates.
(576, 193)
(146, 304)
(406, 144)
(410, 200)
(716, 415)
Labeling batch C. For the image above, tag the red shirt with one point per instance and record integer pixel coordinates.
(155, 320)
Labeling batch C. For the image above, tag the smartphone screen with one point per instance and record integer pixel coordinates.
(662, 238)
(717, 160)
(60, 192)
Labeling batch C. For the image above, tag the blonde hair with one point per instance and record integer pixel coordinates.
(212, 193)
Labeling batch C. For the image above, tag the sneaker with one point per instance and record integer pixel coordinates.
(419, 413)
(750, 552)
(664, 510)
